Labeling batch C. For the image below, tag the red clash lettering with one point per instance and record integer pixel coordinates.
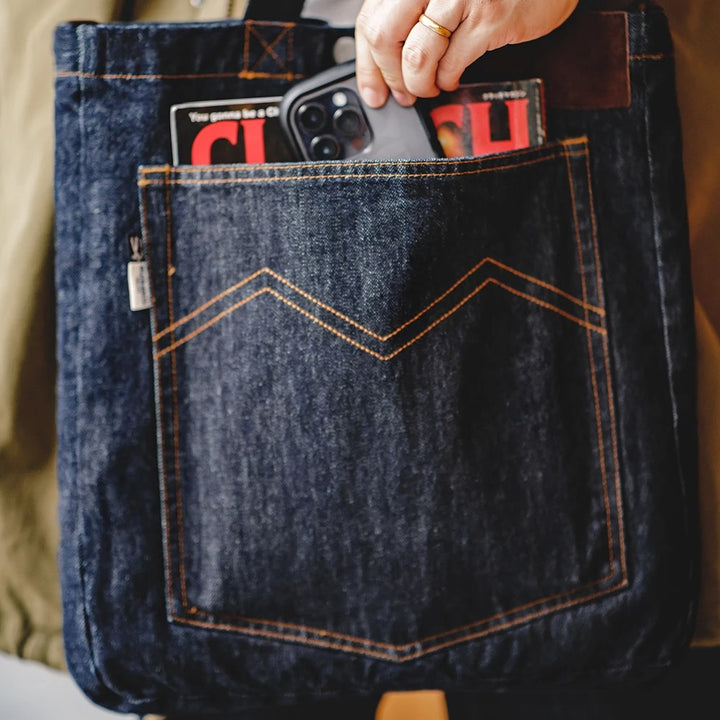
(253, 140)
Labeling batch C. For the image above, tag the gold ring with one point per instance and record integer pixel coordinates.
(435, 27)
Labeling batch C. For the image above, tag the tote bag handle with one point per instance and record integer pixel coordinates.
(283, 10)
(290, 10)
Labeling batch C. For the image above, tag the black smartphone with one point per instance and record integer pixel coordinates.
(325, 118)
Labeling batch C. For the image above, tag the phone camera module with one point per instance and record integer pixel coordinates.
(312, 117)
(325, 147)
(348, 121)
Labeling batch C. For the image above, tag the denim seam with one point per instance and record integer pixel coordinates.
(162, 450)
(92, 657)
(241, 75)
(546, 152)
(608, 380)
(366, 644)
(175, 408)
(543, 152)
(692, 606)
(593, 379)
(396, 653)
(600, 292)
(347, 177)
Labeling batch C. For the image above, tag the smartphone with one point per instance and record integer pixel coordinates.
(325, 118)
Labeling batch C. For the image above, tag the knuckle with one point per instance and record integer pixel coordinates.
(415, 57)
(362, 19)
(375, 32)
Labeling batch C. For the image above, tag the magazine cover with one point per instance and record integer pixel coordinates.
(228, 131)
(488, 118)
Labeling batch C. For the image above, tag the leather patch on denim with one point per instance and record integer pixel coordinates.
(584, 63)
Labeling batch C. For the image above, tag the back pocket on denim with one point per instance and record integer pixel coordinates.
(384, 401)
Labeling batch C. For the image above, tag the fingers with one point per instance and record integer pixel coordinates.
(424, 47)
(370, 80)
(381, 29)
(395, 51)
(489, 26)
(469, 42)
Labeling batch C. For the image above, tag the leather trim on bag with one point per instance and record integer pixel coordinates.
(598, 77)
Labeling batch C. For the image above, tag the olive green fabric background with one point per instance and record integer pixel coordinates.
(30, 618)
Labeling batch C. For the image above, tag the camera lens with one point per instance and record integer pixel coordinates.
(325, 147)
(312, 117)
(348, 121)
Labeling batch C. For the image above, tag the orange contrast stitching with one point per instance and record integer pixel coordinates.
(553, 150)
(241, 74)
(655, 56)
(160, 410)
(341, 176)
(201, 308)
(246, 48)
(608, 381)
(392, 656)
(596, 250)
(403, 647)
(613, 434)
(598, 421)
(219, 316)
(175, 344)
(233, 288)
(176, 413)
(269, 48)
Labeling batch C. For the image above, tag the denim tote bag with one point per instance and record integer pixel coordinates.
(385, 425)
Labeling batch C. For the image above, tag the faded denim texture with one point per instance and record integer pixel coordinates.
(388, 425)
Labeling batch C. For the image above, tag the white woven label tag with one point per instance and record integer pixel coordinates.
(139, 285)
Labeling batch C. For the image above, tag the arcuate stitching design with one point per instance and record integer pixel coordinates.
(382, 338)
(292, 286)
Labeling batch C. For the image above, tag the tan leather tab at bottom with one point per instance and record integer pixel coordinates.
(584, 63)
(417, 705)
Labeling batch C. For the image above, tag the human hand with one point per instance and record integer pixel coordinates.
(395, 50)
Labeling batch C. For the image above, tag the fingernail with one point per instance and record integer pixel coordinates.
(372, 97)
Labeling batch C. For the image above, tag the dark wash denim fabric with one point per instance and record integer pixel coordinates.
(387, 425)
